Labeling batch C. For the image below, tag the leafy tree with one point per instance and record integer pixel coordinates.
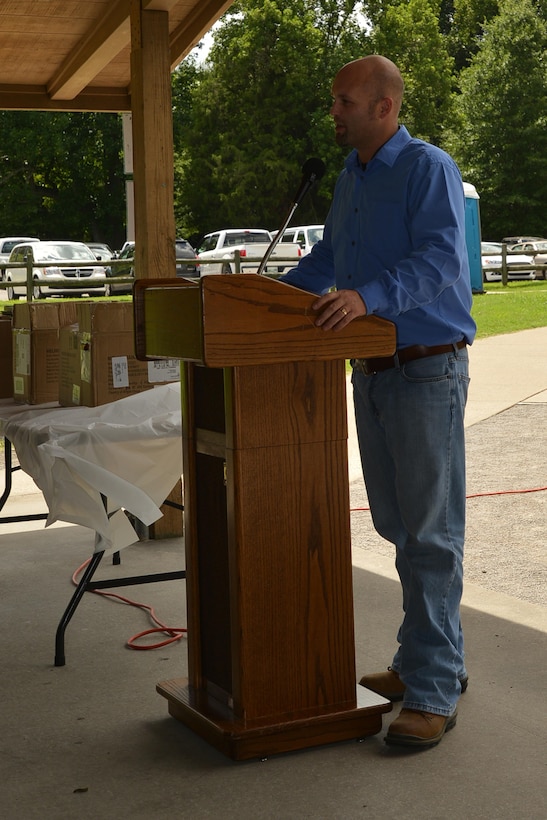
(468, 23)
(259, 109)
(184, 82)
(61, 175)
(408, 33)
(500, 139)
(246, 119)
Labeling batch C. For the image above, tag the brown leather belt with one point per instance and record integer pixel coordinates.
(407, 354)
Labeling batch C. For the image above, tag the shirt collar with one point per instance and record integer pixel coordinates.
(387, 154)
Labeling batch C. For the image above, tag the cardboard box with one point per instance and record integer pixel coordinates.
(6, 358)
(69, 366)
(104, 367)
(36, 354)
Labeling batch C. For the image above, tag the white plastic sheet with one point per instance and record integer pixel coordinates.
(129, 451)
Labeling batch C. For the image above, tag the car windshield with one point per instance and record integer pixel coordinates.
(7, 247)
(315, 235)
(246, 238)
(488, 247)
(183, 248)
(66, 252)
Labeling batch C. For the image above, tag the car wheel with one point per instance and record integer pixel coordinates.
(108, 290)
(12, 296)
(37, 292)
(226, 268)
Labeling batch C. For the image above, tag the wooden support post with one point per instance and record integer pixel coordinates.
(152, 143)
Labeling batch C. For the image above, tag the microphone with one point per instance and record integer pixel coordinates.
(312, 171)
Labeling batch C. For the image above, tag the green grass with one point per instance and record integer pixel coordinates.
(517, 306)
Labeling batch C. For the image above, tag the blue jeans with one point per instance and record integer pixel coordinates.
(410, 427)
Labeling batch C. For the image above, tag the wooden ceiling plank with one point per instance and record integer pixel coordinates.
(60, 54)
(93, 53)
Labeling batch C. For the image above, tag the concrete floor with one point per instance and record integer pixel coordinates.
(93, 740)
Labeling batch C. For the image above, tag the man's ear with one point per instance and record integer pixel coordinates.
(386, 106)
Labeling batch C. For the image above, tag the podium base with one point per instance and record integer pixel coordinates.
(239, 741)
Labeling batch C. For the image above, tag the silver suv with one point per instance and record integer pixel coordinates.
(49, 274)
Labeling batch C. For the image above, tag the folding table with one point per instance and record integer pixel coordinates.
(93, 464)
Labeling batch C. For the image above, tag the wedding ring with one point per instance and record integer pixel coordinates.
(344, 311)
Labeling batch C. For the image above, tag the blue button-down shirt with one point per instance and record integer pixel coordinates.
(396, 234)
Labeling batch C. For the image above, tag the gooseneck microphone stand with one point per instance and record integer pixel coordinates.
(312, 171)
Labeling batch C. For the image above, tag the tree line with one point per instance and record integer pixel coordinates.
(247, 116)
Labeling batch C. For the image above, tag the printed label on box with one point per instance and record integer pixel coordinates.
(120, 371)
(85, 357)
(22, 353)
(18, 385)
(164, 370)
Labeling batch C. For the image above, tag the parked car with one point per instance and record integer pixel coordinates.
(538, 249)
(7, 244)
(111, 288)
(218, 251)
(541, 259)
(512, 240)
(101, 250)
(48, 276)
(127, 244)
(183, 251)
(305, 235)
(491, 259)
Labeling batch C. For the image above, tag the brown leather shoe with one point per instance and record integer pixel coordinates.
(389, 685)
(419, 729)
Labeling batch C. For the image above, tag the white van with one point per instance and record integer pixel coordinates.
(305, 235)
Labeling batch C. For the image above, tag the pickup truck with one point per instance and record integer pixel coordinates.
(252, 244)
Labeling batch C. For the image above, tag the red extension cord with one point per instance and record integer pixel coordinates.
(176, 633)
(173, 633)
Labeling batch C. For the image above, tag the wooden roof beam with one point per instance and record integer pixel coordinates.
(195, 26)
(36, 98)
(92, 54)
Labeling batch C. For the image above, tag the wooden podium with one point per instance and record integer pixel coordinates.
(271, 655)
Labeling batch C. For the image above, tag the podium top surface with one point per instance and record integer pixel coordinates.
(245, 319)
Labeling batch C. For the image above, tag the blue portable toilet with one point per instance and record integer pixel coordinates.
(473, 236)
